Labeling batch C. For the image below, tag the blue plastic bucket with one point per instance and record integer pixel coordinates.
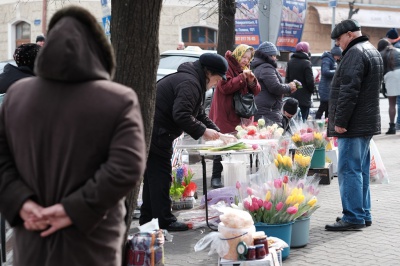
(318, 159)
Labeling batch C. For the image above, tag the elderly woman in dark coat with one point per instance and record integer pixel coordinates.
(269, 100)
(179, 108)
(71, 148)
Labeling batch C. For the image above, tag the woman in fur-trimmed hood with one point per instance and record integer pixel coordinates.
(72, 146)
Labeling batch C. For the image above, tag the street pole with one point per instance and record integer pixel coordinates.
(44, 17)
(333, 23)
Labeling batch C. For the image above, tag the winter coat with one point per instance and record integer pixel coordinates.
(299, 68)
(71, 136)
(13, 73)
(222, 111)
(328, 67)
(179, 107)
(269, 100)
(354, 96)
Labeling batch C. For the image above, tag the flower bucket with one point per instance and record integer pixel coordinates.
(318, 159)
(300, 233)
(282, 231)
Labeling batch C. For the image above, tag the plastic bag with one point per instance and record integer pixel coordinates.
(377, 171)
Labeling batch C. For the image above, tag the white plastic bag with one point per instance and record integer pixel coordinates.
(377, 172)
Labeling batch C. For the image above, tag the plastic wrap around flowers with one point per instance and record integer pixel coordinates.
(182, 186)
(279, 200)
(310, 136)
(259, 130)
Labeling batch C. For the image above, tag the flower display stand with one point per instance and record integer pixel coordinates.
(300, 233)
(183, 204)
(318, 158)
(282, 231)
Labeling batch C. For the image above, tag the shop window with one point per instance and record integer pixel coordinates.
(203, 37)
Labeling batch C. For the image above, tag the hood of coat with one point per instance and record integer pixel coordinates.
(328, 55)
(260, 59)
(76, 49)
(233, 63)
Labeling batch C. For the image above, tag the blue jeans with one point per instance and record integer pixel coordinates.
(353, 176)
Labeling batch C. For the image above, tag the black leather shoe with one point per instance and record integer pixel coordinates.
(367, 223)
(216, 183)
(343, 226)
(177, 226)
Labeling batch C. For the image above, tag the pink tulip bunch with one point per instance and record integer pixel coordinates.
(279, 200)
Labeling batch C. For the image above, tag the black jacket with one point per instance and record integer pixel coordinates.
(354, 96)
(300, 68)
(269, 100)
(11, 74)
(179, 107)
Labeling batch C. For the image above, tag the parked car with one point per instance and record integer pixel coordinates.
(171, 59)
(316, 68)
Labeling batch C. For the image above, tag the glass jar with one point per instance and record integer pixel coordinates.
(251, 253)
(260, 251)
(262, 240)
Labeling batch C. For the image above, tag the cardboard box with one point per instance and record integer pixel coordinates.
(325, 173)
(332, 157)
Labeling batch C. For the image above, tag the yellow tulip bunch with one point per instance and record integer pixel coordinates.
(283, 163)
(302, 163)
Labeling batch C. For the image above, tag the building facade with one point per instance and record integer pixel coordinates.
(195, 22)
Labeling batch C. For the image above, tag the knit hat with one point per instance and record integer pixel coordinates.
(392, 34)
(268, 48)
(25, 54)
(345, 26)
(215, 63)
(290, 106)
(336, 50)
(303, 47)
(40, 38)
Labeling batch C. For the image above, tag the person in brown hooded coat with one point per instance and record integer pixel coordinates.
(71, 147)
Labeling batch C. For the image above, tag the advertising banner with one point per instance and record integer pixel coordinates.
(246, 23)
(292, 24)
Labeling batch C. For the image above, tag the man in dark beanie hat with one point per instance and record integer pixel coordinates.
(40, 39)
(354, 117)
(179, 108)
(24, 57)
(289, 110)
(393, 37)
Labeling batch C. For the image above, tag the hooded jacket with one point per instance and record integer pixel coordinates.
(179, 107)
(222, 111)
(13, 73)
(71, 136)
(299, 68)
(328, 67)
(354, 96)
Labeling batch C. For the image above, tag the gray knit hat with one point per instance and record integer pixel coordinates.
(268, 48)
(336, 50)
(345, 26)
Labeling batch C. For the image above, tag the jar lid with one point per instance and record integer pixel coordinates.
(251, 247)
(259, 246)
(259, 235)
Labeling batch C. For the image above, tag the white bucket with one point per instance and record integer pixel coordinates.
(234, 171)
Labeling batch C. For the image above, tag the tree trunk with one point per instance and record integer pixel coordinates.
(226, 26)
(134, 35)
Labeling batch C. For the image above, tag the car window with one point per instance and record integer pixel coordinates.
(173, 61)
(315, 60)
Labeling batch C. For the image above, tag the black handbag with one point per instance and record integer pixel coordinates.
(244, 105)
